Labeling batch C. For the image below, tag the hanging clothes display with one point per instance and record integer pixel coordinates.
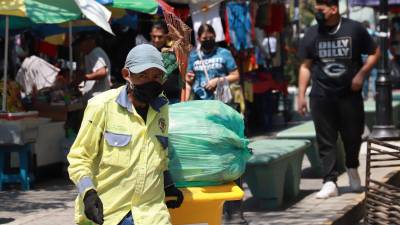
(250, 63)
(182, 12)
(239, 27)
(207, 12)
(276, 16)
(362, 14)
(261, 12)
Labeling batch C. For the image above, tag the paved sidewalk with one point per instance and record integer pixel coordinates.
(49, 202)
(309, 210)
(52, 202)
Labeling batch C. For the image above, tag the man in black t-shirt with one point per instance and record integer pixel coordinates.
(331, 53)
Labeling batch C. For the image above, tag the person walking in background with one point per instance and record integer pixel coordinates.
(119, 159)
(96, 78)
(208, 66)
(173, 84)
(331, 52)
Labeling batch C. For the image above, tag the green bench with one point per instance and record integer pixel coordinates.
(274, 171)
(307, 131)
(396, 95)
(370, 112)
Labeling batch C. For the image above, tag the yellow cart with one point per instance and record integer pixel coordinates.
(205, 204)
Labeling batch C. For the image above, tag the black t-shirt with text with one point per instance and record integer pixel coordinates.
(336, 57)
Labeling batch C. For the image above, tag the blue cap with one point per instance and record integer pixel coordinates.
(143, 57)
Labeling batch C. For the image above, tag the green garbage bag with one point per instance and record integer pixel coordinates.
(207, 145)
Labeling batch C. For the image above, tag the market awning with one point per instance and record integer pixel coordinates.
(16, 23)
(50, 11)
(143, 6)
(43, 11)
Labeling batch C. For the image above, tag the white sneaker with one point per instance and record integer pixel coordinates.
(328, 190)
(354, 179)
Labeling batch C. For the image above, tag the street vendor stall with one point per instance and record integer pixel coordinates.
(49, 12)
(19, 134)
(47, 86)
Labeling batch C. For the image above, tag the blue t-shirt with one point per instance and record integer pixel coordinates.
(219, 63)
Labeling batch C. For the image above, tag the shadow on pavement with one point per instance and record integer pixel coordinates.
(256, 205)
(51, 194)
(6, 220)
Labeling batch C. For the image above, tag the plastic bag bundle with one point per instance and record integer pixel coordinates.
(207, 145)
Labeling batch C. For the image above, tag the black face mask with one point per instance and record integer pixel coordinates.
(320, 17)
(208, 45)
(146, 92)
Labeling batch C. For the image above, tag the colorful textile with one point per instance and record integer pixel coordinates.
(143, 6)
(276, 15)
(239, 25)
(207, 13)
(50, 11)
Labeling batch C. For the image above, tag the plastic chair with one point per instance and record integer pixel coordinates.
(23, 176)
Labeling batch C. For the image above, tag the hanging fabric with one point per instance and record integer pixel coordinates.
(239, 25)
(262, 18)
(183, 12)
(207, 12)
(179, 33)
(276, 16)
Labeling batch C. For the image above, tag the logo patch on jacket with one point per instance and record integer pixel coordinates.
(162, 124)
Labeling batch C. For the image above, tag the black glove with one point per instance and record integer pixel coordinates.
(93, 207)
(172, 191)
